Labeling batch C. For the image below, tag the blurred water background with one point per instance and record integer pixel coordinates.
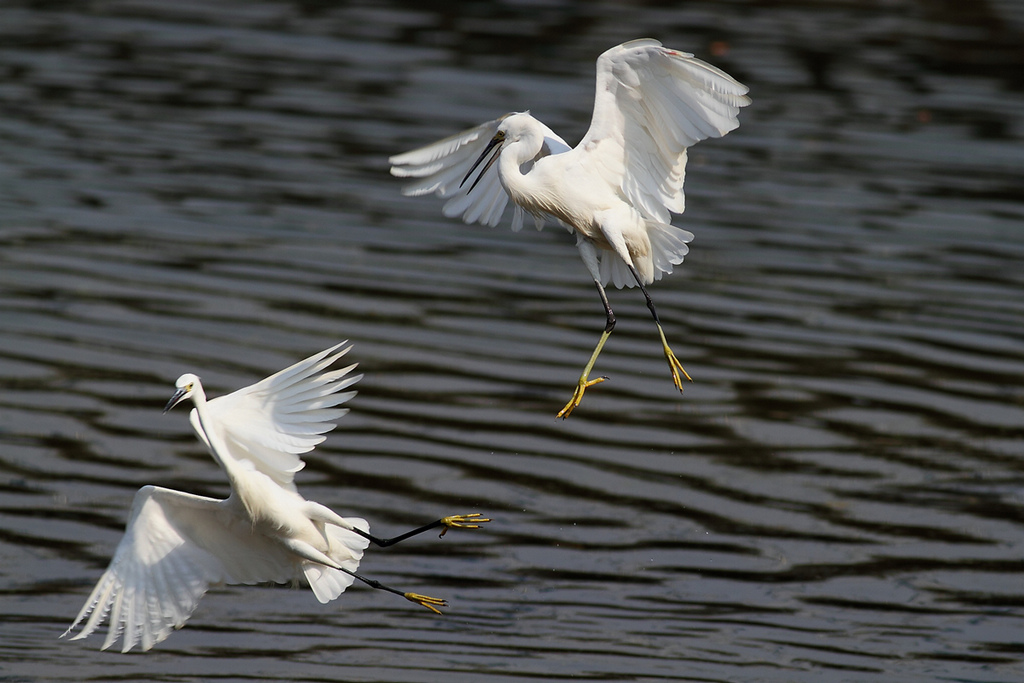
(203, 186)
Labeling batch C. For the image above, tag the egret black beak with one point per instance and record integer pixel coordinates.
(496, 140)
(178, 397)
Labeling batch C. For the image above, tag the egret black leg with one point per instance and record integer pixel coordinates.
(673, 363)
(470, 521)
(610, 317)
(430, 603)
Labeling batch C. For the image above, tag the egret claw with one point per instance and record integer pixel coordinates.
(430, 603)
(673, 363)
(470, 521)
(676, 367)
(577, 396)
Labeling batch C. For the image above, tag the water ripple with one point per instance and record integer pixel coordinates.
(203, 187)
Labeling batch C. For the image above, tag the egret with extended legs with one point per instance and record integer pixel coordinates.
(614, 190)
(177, 545)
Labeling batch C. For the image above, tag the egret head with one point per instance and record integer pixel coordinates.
(184, 388)
(514, 126)
(512, 129)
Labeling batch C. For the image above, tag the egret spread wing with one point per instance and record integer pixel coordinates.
(440, 167)
(651, 104)
(175, 547)
(271, 423)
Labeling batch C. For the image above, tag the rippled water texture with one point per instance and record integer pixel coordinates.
(839, 496)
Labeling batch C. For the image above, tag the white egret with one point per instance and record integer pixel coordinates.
(177, 545)
(615, 190)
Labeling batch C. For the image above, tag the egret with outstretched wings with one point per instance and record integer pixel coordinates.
(615, 190)
(177, 545)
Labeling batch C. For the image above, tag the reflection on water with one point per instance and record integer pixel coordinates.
(839, 494)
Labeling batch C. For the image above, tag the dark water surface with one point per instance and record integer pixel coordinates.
(202, 186)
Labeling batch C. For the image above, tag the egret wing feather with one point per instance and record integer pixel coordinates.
(517, 217)
(176, 545)
(440, 168)
(437, 162)
(651, 104)
(273, 422)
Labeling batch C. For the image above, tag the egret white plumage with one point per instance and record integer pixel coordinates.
(177, 545)
(614, 190)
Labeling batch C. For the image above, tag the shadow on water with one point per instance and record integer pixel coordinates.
(203, 187)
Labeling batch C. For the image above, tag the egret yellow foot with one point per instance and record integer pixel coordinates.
(430, 603)
(470, 521)
(673, 363)
(584, 383)
(577, 395)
